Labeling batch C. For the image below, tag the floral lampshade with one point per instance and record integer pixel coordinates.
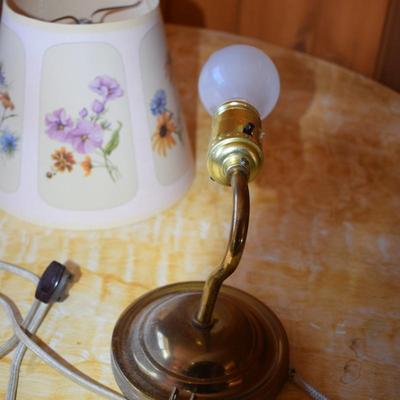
(91, 131)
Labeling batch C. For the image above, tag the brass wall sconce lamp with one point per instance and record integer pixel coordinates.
(206, 340)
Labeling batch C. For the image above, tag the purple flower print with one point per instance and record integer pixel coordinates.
(86, 137)
(59, 125)
(107, 87)
(98, 107)
(90, 138)
(83, 113)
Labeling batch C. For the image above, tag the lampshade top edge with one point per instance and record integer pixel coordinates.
(11, 12)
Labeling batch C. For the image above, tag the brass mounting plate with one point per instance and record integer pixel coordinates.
(156, 346)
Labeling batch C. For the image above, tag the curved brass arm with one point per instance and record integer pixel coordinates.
(237, 240)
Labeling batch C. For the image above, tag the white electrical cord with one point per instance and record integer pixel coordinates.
(302, 384)
(20, 351)
(17, 270)
(12, 343)
(76, 376)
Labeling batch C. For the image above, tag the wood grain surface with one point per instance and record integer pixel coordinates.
(347, 32)
(323, 249)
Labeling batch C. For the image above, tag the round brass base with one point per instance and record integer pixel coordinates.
(157, 346)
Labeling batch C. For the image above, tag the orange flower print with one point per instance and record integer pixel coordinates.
(63, 160)
(5, 99)
(162, 139)
(87, 165)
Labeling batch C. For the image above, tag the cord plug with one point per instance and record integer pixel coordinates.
(54, 284)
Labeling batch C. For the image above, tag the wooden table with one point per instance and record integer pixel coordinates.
(323, 248)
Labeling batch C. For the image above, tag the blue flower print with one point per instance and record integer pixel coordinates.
(8, 143)
(2, 77)
(159, 103)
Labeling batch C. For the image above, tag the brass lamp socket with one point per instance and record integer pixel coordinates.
(236, 141)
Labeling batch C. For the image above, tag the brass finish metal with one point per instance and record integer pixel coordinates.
(236, 141)
(156, 347)
(234, 251)
(165, 346)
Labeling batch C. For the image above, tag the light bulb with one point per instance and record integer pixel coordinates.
(239, 72)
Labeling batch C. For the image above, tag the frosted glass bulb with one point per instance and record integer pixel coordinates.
(239, 72)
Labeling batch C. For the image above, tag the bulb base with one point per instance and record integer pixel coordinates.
(236, 141)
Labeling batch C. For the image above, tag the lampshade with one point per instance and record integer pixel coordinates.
(91, 130)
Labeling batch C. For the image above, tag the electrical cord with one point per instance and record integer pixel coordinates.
(22, 272)
(302, 384)
(20, 351)
(48, 290)
(78, 377)
(12, 342)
